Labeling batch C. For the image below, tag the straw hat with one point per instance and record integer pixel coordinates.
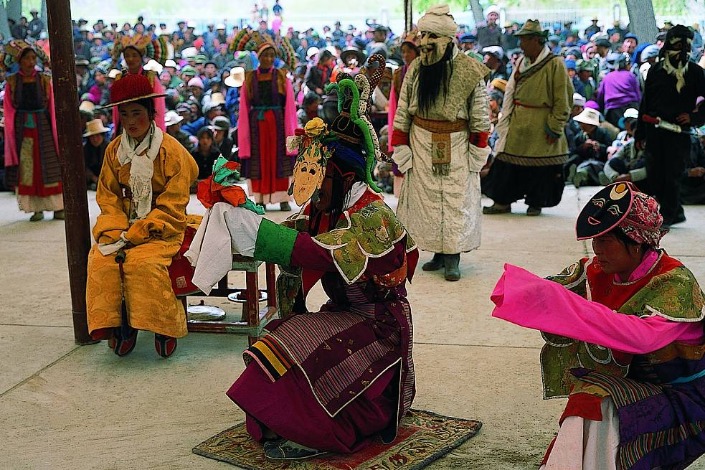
(217, 99)
(95, 127)
(236, 77)
(86, 106)
(532, 28)
(589, 116)
(172, 117)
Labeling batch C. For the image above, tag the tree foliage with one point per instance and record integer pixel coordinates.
(660, 6)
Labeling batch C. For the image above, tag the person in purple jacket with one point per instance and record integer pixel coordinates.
(619, 90)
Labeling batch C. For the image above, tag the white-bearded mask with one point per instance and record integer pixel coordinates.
(432, 47)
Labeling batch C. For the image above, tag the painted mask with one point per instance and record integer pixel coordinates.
(432, 47)
(677, 51)
(310, 166)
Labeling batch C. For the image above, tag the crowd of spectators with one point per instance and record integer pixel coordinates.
(201, 73)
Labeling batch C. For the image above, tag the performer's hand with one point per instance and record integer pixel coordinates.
(683, 119)
(625, 177)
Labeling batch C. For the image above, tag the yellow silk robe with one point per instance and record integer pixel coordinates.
(154, 240)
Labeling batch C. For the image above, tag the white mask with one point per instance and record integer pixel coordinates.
(432, 47)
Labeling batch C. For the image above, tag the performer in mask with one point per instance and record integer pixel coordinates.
(670, 93)
(441, 129)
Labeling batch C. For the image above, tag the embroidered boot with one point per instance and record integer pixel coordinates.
(122, 344)
(288, 450)
(452, 271)
(435, 264)
(164, 345)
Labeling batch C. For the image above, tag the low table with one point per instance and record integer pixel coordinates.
(253, 319)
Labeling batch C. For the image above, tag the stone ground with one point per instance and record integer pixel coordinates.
(65, 406)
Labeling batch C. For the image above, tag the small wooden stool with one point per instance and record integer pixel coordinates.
(257, 318)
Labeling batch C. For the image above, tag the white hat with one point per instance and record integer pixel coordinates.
(496, 51)
(95, 127)
(172, 117)
(170, 63)
(578, 99)
(589, 116)
(491, 9)
(631, 113)
(189, 52)
(217, 99)
(154, 66)
(86, 105)
(438, 20)
(236, 77)
(220, 26)
(313, 50)
(114, 73)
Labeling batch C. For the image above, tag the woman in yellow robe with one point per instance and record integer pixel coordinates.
(142, 191)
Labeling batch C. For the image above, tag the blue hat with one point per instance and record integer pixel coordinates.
(465, 38)
(570, 64)
(631, 36)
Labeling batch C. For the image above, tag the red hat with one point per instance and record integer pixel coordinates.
(131, 87)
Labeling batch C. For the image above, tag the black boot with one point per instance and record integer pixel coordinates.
(452, 271)
(435, 264)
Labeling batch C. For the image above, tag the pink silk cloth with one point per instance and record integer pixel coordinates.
(527, 300)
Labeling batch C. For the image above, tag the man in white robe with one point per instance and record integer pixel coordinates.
(440, 138)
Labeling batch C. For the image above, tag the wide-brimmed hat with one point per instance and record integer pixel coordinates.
(236, 77)
(353, 51)
(95, 127)
(589, 116)
(217, 99)
(172, 117)
(131, 87)
(579, 100)
(221, 123)
(495, 51)
(532, 28)
(86, 105)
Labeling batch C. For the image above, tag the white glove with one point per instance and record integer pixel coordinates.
(243, 225)
(403, 157)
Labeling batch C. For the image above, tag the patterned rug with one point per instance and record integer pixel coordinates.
(423, 437)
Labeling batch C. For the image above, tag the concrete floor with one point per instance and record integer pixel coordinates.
(65, 406)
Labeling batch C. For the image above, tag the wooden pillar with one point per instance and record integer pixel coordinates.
(73, 173)
(408, 15)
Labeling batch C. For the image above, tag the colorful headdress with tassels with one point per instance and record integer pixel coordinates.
(15, 48)
(351, 137)
(257, 42)
(144, 44)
